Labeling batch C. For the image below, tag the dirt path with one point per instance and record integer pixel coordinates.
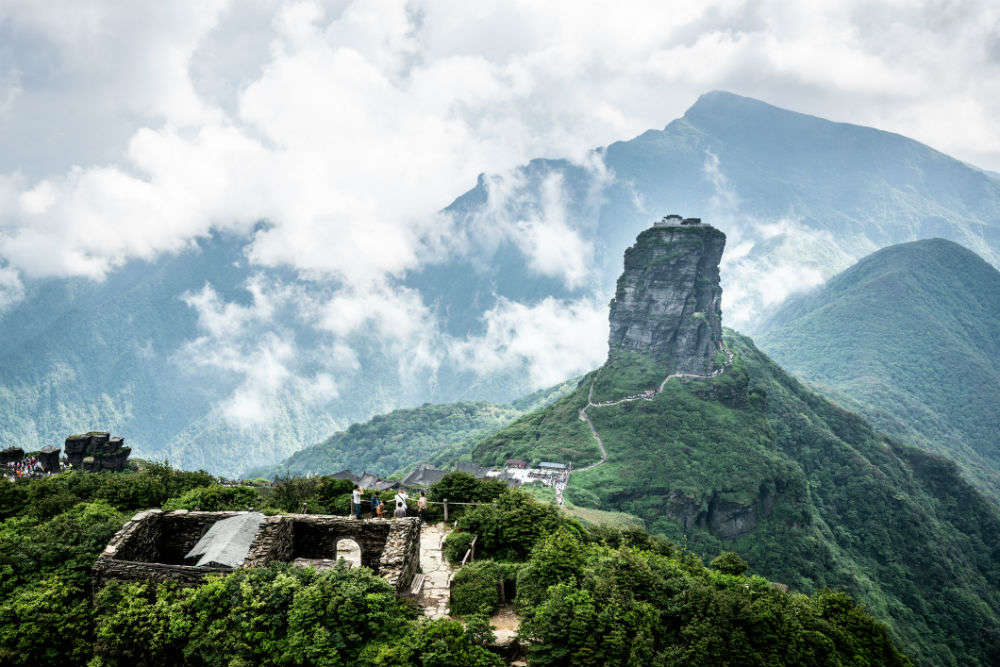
(646, 396)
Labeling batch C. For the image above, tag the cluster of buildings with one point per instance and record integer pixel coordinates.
(515, 472)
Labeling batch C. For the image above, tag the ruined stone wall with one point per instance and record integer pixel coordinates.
(128, 555)
(151, 546)
(181, 530)
(401, 555)
(273, 543)
(316, 536)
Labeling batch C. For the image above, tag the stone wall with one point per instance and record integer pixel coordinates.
(152, 545)
(273, 543)
(126, 558)
(401, 554)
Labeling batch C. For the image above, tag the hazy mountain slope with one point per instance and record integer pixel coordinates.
(397, 441)
(803, 197)
(799, 196)
(909, 336)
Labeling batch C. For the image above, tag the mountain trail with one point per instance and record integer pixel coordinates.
(645, 396)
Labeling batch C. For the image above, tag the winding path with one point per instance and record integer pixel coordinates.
(647, 396)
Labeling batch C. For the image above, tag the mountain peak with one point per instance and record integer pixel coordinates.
(667, 302)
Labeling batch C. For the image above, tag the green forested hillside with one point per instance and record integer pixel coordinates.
(810, 494)
(395, 442)
(909, 337)
(588, 596)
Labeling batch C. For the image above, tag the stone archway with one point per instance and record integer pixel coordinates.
(350, 551)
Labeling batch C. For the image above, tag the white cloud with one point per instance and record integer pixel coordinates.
(131, 129)
(553, 340)
(767, 260)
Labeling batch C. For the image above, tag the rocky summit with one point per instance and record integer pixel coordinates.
(667, 302)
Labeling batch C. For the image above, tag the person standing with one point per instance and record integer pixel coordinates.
(422, 506)
(400, 503)
(375, 503)
(356, 502)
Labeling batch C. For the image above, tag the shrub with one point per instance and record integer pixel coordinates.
(558, 558)
(461, 487)
(476, 587)
(510, 526)
(215, 498)
(440, 643)
(729, 563)
(455, 546)
(268, 616)
(45, 623)
(324, 493)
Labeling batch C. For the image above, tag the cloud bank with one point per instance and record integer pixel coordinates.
(128, 130)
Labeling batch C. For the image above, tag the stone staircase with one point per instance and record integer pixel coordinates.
(430, 587)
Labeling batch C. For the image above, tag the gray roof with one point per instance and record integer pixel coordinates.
(550, 464)
(345, 474)
(228, 541)
(471, 468)
(423, 476)
(370, 481)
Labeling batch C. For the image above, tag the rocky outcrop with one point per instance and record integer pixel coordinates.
(720, 515)
(668, 300)
(97, 451)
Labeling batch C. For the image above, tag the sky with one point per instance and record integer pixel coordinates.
(130, 129)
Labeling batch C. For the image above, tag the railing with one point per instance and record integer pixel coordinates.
(471, 553)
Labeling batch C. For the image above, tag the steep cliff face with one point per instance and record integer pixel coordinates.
(668, 299)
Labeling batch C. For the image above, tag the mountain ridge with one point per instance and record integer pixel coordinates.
(908, 336)
(748, 459)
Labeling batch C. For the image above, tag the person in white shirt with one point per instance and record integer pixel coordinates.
(356, 502)
(400, 503)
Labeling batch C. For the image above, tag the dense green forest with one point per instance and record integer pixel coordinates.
(809, 494)
(910, 337)
(588, 595)
(395, 442)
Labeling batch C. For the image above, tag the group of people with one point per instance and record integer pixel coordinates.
(26, 468)
(378, 506)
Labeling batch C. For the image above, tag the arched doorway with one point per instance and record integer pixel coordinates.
(348, 550)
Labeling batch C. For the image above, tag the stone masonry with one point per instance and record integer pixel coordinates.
(152, 545)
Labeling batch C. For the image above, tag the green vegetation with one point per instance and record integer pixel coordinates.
(476, 587)
(602, 596)
(52, 530)
(394, 443)
(642, 598)
(567, 438)
(807, 493)
(910, 337)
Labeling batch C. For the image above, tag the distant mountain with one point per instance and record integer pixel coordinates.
(396, 442)
(800, 198)
(743, 457)
(910, 337)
